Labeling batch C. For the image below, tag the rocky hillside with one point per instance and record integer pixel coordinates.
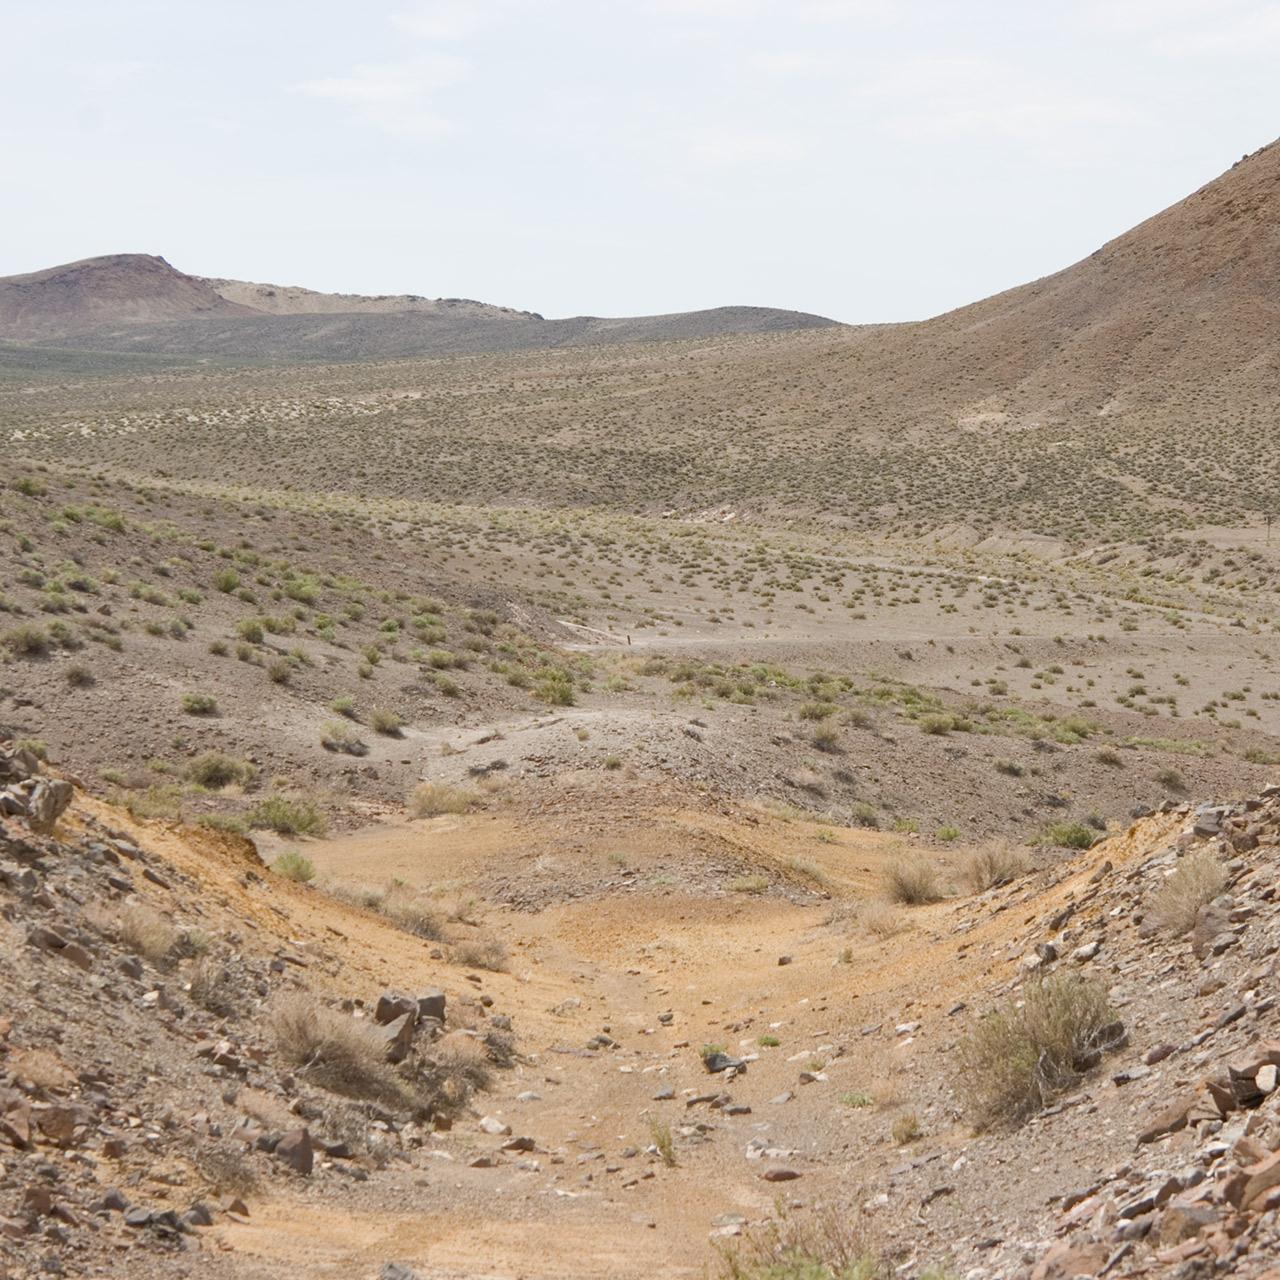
(293, 300)
(181, 1029)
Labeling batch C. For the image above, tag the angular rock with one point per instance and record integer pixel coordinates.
(431, 1003)
(296, 1150)
(398, 1036)
(392, 1006)
(47, 803)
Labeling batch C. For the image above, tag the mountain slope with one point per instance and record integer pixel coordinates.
(1189, 297)
(126, 288)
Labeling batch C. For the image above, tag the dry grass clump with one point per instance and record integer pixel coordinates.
(458, 1066)
(994, 865)
(1018, 1057)
(913, 881)
(430, 799)
(906, 1128)
(212, 987)
(342, 738)
(146, 932)
(880, 919)
(226, 1169)
(481, 953)
(336, 1051)
(411, 911)
(1196, 881)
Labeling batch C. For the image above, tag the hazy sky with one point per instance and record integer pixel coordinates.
(867, 159)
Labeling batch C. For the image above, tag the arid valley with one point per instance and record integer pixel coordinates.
(723, 794)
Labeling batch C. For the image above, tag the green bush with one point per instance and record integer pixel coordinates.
(288, 816)
(1068, 835)
(293, 866)
(216, 770)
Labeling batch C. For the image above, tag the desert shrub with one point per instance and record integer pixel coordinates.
(994, 865)
(857, 1099)
(199, 704)
(279, 670)
(748, 884)
(481, 953)
(822, 1246)
(344, 706)
(457, 1066)
(1017, 1058)
(226, 1168)
(906, 1128)
(212, 987)
(216, 770)
(250, 630)
(226, 580)
(337, 736)
(1109, 756)
(863, 814)
(826, 738)
(663, 1142)
(223, 822)
(410, 910)
(1196, 881)
(816, 710)
(384, 720)
(146, 932)
(79, 676)
(1171, 780)
(913, 880)
(429, 799)
(290, 816)
(555, 688)
(333, 1049)
(880, 919)
(27, 640)
(293, 866)
(1067, 835)
(939, 724)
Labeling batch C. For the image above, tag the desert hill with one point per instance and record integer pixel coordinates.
(138, 304)
(129, 288)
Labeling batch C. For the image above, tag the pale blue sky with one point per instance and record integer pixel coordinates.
(867, 159)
